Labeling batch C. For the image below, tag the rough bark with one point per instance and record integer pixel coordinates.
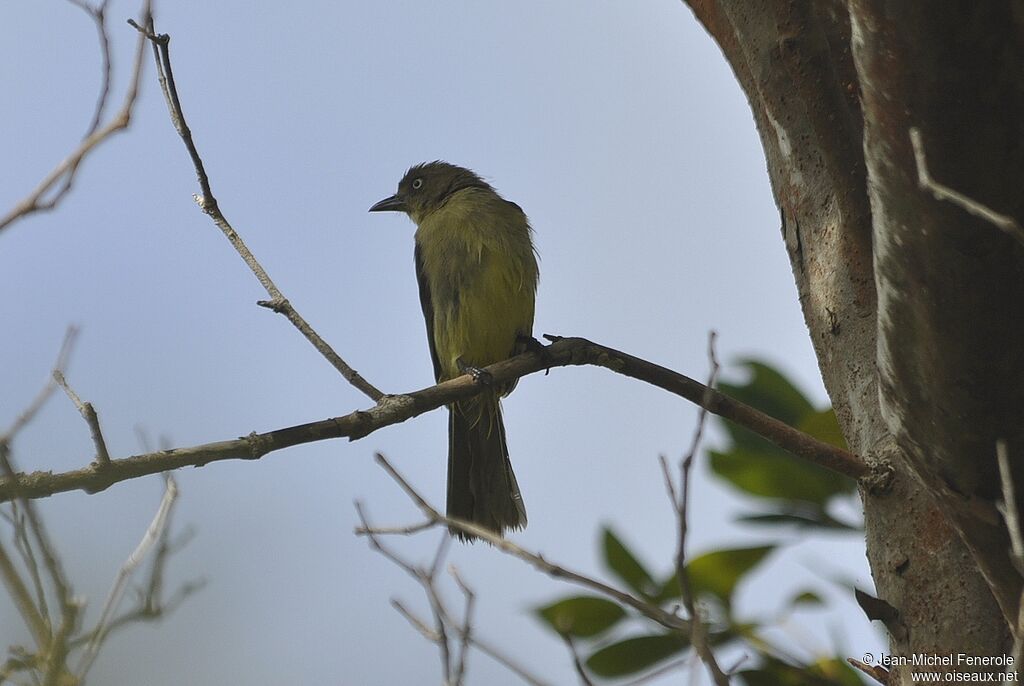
(951, 286)
(797, 64)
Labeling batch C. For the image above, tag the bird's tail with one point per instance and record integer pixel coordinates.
(481, 486)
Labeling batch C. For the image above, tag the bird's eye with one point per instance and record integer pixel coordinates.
(417, 184)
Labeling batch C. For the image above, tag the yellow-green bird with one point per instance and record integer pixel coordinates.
(477, 272)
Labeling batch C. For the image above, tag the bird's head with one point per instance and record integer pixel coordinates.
(427, 187)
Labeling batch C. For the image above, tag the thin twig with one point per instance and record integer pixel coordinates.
(156, 530)
(208, 203)
(64, 173)
(57, 652)
(698, 632)
(23, 543)
(940, 192)
(24, 520)
(88, 413)
(37, 624)
(29, 413)
(577, 663)
(437, 609)
(99, 16)
(650, 611)
(466, 635)
(428, 581)
(1008, 508)
(393, 409)
(47, 551)
(415, 621)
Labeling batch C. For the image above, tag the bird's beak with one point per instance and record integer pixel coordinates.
(393, 204)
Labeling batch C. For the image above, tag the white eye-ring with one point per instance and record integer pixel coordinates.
(417, 184)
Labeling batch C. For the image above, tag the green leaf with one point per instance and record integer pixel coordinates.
(823, 425)
(582, 616)
(623, 564)
(811, 519)
(771, 392)
(806, 598)
(827, 672)
(718, 572)
(635, 654)
(776, 474)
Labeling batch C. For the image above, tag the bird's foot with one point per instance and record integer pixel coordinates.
(481, 376)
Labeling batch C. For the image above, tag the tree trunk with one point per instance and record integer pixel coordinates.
(915, 308)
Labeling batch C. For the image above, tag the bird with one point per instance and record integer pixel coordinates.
(476, 266)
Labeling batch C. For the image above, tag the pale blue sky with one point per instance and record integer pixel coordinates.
(617, 126)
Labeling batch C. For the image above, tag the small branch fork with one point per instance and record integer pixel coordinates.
(59, 181)
(925, 182)
(435, 518)
(452, 636)
(680, 503)
(35, 576)
(427, 579)
(208, 204)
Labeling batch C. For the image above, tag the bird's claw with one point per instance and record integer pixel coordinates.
(481, 376)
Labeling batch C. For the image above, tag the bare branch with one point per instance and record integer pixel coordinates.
(99, 16)
(64, 173)
(577, 663)
(925, 182)
(88, 413)
(454, 669)
(28, 527)
(393, 409)
(650, 611)
(66, 346)
(466, 635)
(48, 553)
(37, 624)
(415, 621)
(23, 544)
(208, 203)
(1008, 508)
(156, 531)
(698, 632)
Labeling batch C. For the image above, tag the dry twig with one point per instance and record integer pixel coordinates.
(680, 503)
(453, 663)
(1003, 222)
(208, 204)
(1008, 508)
(88, 413)
(650, 611)
(62, 177)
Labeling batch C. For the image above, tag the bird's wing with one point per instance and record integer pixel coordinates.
(428, 311)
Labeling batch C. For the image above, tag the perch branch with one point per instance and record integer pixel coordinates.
(393, 409)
